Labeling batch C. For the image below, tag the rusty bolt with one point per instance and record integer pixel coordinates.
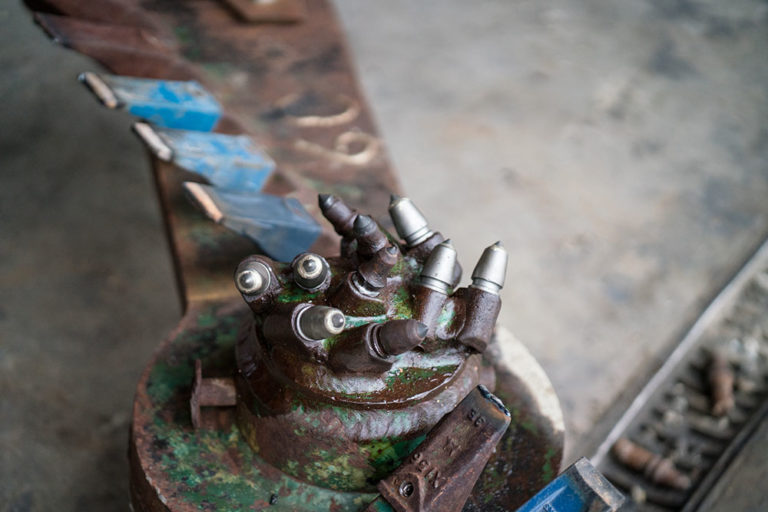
(657, 469)
(721, 384)
(209, 392)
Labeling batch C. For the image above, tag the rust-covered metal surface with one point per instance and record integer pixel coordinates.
(288, 85)
(300, 433)
(175, 467)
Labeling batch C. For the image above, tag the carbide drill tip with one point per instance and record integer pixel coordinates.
(437, 273)
(252, 278)
(491, 269)
(320, 322)
(310, 271)
(325, 201)
(363, 224)
(410, 223)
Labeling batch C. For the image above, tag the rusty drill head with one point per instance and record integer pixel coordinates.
(343, 351)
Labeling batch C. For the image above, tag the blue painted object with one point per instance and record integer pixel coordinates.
(184, 105)
(580, 488)
(280, 226)
(229, 162)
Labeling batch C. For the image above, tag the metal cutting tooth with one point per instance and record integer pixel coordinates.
(437, 272)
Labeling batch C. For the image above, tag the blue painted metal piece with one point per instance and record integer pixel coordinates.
(229, 162)
(172, 104)
(280, 226)
(580, 488)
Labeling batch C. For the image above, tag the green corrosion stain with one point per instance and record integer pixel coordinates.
(447, 315)
(333, 470)
(207, 319)
(295, 294)
(548, 472)
(402, 304)
(381, 505)
(357, 321)
(183, 34)
(409, 375)
(199, 464)
(205, 237)
(524, 423)
(386, 455)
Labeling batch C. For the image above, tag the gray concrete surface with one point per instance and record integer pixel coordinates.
(620, 151)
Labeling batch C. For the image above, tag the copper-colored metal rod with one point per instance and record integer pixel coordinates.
(657, 469)
(721, 378)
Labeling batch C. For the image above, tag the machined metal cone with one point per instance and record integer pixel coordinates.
(410, 223)
(437, 272)
(491, 269)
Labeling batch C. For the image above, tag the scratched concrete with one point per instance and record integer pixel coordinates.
(619, 150)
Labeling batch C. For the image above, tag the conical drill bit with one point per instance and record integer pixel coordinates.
(410, 223)
(491, 269)
(372, 348)
(437, 273)
(341, 216)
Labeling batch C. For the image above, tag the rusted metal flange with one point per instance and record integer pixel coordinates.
(177, 468)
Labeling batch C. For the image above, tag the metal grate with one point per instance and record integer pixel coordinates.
(673, 417)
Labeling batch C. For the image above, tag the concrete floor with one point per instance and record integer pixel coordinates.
(619, 150)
